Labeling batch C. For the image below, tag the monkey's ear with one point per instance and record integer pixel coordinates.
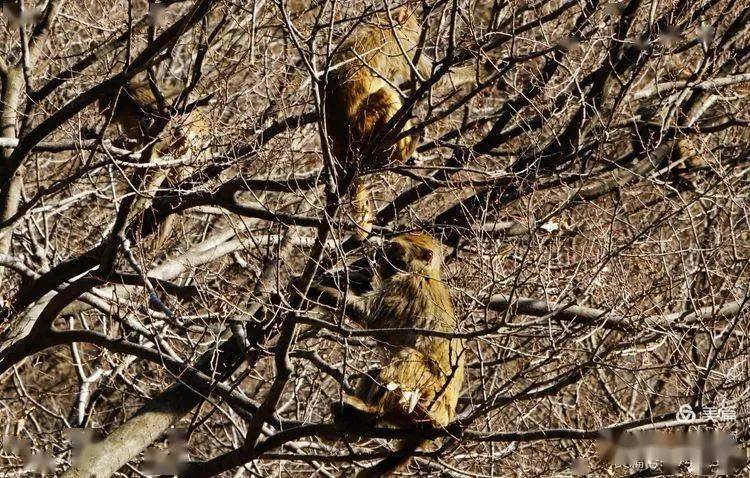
(401, 15)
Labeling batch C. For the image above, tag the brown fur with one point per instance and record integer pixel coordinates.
(133, 111)
(135, 107)
(423, 376)
(361, 98)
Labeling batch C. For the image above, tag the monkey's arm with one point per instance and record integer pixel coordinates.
(354, 306)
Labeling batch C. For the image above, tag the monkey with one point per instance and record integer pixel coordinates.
(133, 110)
(362, 97)
(421, 381)
(672, 157)
(135, 107)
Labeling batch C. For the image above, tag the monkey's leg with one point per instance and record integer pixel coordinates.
(165, 230)
(147, 191)
(409, 376)
(404, 148)
(371, 120)
(350, 415)
(152, 186)
(417, 389)
(185, 140)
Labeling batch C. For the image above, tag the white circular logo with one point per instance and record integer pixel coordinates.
(685, 414)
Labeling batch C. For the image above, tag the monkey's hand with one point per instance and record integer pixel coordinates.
(354, 306)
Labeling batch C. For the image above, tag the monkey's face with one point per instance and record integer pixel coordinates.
(412, 253)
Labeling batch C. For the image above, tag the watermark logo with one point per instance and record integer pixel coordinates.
(685, 414)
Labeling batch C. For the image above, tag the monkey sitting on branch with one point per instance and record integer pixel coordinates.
(362, 96)
(135, 109)
(421, 380)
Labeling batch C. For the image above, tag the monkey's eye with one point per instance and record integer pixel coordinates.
(426, 255)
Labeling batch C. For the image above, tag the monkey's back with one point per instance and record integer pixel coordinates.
(356, 115)
(136, 107)
(361, 96)
(409, 300)
(379, 49)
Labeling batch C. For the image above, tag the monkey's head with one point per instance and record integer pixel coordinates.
(133, 106)
(412, 253)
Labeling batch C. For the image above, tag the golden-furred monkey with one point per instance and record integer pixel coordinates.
(422, 377)
(362, 97)
(134, 109)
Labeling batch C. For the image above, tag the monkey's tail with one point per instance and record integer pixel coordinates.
(392, 464)
(362, 209)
